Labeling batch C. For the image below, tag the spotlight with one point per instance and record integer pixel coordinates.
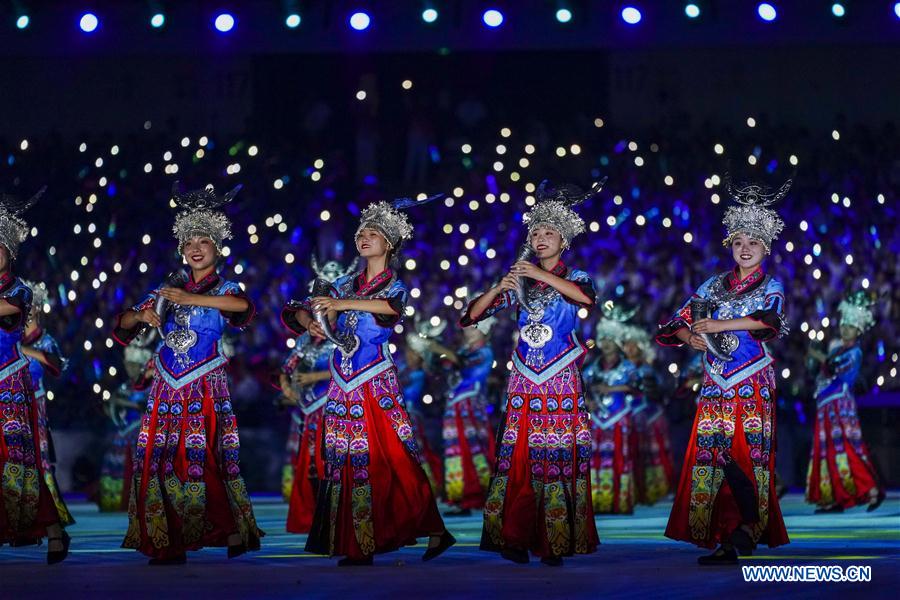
(157, 20)
(429, 15)
(838, 10)
(23, 21)
(224, 22)
(766, 11)
(631, 15)
(492, 17)
(292, 21)
(897, 9)
(563, 15)
(360, 21)
(89, 22)
(692, 10)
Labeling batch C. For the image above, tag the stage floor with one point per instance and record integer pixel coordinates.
(634, 560)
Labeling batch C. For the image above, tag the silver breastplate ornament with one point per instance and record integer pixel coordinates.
(534, 333)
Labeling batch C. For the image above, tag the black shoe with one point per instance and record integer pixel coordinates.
(834, 508)
(742, 541)
(236, 550)
(447, 540)
(459, 512)
(57, 556)
(874, 504)
(552, 561)
(720, 557)
(355, 562)
(172, 560)
(516, 556)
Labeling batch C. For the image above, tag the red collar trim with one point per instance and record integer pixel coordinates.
(736, 284)
(202, 286)
(368, 287)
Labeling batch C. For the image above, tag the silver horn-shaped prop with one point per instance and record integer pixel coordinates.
(321, 287)
(703, 309)
(175, 279)
(525, 253)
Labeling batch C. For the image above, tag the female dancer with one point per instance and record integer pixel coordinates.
(303, 381)
(187, 490)
(417, 357)
(467, 434)
(539, 499)
(654, 469)
(609, 380)
(30, 505)
(44, 357)
(841, 473)
(375, 497)
(124, 410)
(726, 495)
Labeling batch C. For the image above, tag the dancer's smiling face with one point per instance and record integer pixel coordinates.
(370, 242)
(748, 252)
(849, 333)
(546, 242)
(200, 253)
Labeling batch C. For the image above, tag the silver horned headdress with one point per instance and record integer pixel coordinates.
(425, 331)
(13, 228)
(751, 216)
(612, 325)
(39, 293)
(856, 311)
(387, 219)
(554, 209)
(199, 216)
(332, 270)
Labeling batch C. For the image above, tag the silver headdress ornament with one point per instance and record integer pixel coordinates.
(387, 218)
(641, 337)
(554, 209)
(39, 293)
(13, 228)
(332, 270)
(856, 311)
(612, 325)
(751, 215)
(425, 331)
(199, 217)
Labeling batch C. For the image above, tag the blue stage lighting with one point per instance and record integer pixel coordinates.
(429, 15)
(692, 11)
(23, 21)
(897, 9)
(492, 18)
(157, 20)
(631, 15)
(293, 21)
(838, 10)
(564, 15)
(767, 11)
(224, 22)
(89, 22)
(360, 21)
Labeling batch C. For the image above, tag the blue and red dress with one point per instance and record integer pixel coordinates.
(305, 463)
(375, 496)
(29, 496)
(187, 491)
(467, 434)
(612, 461)
(840, 467)
(727, 479)
(539, 499)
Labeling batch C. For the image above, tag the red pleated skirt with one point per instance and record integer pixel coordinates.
(467, 471)
(740, 423)
(308, 469)
(375, 497)
(840, 468)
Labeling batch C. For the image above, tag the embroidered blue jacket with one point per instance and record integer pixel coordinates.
(758, 297)
(11, 327)
(473, 374)
(612, 407)
(542, 360)
(839, 373)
